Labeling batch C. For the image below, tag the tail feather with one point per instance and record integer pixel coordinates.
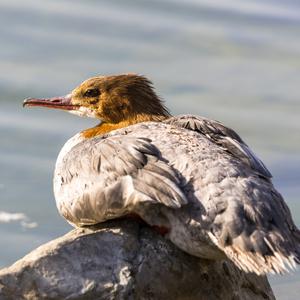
(256, 230)
(277, 261)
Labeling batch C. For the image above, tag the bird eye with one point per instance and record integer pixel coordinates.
(92, 93)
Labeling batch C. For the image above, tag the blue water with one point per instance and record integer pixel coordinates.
(233, 60)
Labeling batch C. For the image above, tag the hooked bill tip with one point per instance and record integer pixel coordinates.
(26, 102)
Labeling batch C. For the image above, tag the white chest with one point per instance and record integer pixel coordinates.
(57, 180)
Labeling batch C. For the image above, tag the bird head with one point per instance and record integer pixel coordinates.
(112, 99)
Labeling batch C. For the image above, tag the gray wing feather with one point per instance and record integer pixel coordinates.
(109, 177)
(223, 136)
(247, 217)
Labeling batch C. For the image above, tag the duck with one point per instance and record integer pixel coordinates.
(191, 177)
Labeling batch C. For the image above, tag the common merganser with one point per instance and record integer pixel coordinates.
(191, 176)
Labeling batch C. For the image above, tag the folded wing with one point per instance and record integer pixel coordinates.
(248, 219)
(107, 178)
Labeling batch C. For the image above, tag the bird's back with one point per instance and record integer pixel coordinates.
(212, 200)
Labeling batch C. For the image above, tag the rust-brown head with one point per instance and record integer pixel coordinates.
(127, 99)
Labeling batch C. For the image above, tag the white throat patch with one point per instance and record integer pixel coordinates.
(84, 112)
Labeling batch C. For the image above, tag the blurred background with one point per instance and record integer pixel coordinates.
(235, 61)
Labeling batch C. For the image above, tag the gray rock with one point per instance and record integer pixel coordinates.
(124, 260)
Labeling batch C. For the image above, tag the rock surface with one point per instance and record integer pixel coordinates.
(124, 260)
